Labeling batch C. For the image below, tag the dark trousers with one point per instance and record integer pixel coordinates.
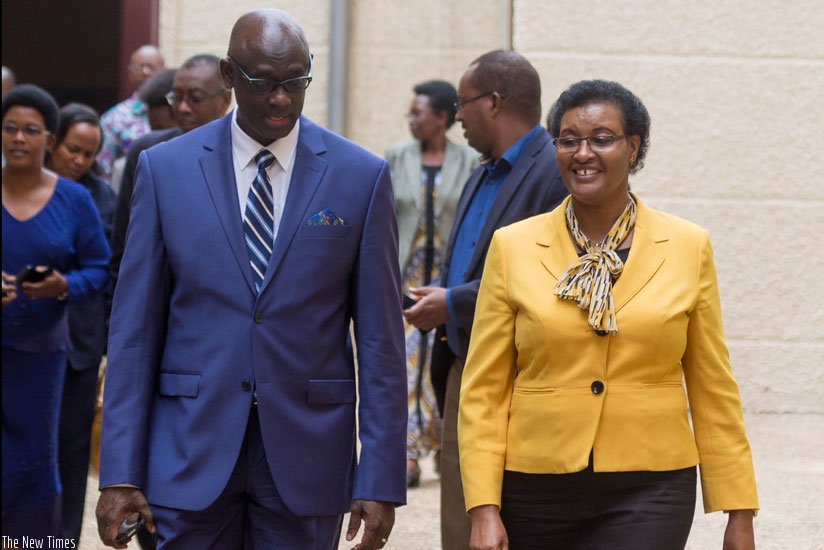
(456, 527)
(249, 513)
(599, 511)
(74, 447)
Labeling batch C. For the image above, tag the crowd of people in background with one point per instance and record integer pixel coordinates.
(516, 313)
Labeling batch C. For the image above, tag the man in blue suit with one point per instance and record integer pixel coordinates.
(230, 402)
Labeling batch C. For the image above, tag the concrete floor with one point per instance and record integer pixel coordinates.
(788, 451)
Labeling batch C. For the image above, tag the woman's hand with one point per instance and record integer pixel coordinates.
(488, 532)
(739, 534)
(9, 290)
(51, 287)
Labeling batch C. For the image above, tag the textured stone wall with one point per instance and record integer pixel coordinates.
(734, 90)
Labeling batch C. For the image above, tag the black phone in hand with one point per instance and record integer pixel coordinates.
(128, 528)
(31, 274)
(408, 301)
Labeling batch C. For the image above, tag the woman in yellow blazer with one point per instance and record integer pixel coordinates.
(573, 428)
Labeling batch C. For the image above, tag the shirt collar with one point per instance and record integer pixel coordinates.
(512, 154)
(246, 148)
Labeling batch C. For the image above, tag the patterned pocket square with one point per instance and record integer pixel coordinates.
(325, 217)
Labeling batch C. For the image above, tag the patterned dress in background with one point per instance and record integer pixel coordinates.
(423, 433)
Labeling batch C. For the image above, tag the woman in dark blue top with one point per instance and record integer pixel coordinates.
(77, 141)
(48, 222)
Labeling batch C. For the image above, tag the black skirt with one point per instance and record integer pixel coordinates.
(599, 511)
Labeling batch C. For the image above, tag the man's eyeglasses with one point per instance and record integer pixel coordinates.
(263, 86)
(29, 131)
(174, 99)
(599, 144)
(460, 103)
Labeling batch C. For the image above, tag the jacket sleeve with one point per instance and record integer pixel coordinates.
(486, 387)
(136, 338)
(92, 252)
(727, 475)
(379, 335)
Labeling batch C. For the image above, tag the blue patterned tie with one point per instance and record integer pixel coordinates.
(258, 221)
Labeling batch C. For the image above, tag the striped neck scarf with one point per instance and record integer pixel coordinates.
(589, 280)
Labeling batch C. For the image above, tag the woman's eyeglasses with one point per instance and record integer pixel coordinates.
(29, 131)
(599, 144)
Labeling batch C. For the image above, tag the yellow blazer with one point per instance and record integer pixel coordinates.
(530, 399)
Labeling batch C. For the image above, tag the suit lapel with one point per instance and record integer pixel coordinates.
(460, 211)
(646, 256)
(306, 177)
(509, 190)
(413, 169)
(218, 171)
(557, 252)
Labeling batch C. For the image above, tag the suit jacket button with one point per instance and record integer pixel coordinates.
(246, 385)
(258, 317)
(597, 387)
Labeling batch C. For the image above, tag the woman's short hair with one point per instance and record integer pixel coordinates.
(31, 95)
(75, 113)
(587, 92)
(442, 97)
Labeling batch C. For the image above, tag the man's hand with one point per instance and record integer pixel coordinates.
(379, 518)
(430, 311)
(114, 504)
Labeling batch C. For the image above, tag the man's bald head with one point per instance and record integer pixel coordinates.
(264, 29)
(143, 63)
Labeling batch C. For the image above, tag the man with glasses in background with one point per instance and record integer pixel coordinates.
(231, 394)
(499, 106)
(197, 96)
(128, 120)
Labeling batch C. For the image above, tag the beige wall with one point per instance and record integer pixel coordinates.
(734, 90)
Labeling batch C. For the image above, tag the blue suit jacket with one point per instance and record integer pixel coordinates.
(190, 339)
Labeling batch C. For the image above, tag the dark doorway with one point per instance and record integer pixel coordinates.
(76, 49)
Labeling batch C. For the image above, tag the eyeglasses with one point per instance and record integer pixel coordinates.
(174, 99)
(29, 131)
(599, 144)
(460, 103)
(263, 86)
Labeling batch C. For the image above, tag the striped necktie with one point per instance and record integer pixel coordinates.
(258, 221)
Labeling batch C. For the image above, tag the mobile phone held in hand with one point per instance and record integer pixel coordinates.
(31, 274)
(408, 301)
(128, 528)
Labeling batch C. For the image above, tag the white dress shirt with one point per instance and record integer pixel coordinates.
(244, 149)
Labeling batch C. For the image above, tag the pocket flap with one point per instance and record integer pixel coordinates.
(178, 384)
(331, 392)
